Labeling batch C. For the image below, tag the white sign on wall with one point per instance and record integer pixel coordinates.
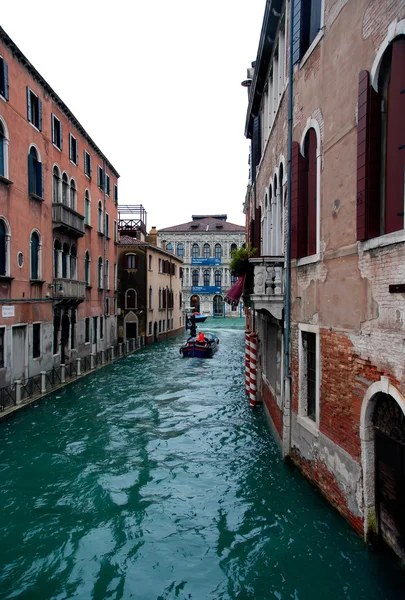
(7, 311)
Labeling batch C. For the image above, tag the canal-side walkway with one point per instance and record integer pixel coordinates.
(154, 480)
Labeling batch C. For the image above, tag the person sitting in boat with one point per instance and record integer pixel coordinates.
(201, 338)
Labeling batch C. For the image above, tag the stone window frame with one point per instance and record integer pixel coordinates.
(311, 425)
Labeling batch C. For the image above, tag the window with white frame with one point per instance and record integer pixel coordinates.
(150, 305)
(73, 195)
(115, 277)
(87, 163)
(56, 132)
(87, 208)
(100, 217)
(35, 170)
(87, 268)
(307, 22)
(73, 149)
(115, 193)
(100, 273)
(4, 248)
(34, 109)
(100, 177)
(309, 372)
(3, 78)
(150, 262)
(108, 189)
(107, 274)
(65, 189)
(56, 184)
(3, 149)
(35, 248)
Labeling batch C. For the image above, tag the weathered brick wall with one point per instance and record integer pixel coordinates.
(271, 404)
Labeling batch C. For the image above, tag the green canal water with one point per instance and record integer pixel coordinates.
(153, 479)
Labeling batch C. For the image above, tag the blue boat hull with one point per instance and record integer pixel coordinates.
(200, 350)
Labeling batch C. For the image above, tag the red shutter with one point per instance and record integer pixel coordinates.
(368, 159)
(258, 228)
(311, 199)
(294, 198)
(395, 151)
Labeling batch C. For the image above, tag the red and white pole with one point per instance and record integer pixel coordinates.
(253, 366)
(247, 361)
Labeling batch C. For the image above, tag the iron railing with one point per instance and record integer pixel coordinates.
(36, 385)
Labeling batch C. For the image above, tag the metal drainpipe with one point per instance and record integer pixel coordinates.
(287, 373)
(105, 243)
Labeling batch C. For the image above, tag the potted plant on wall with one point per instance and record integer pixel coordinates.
(241, 267)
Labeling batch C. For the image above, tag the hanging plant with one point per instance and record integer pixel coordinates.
(239, 264)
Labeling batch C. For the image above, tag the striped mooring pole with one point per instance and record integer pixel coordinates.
(247, 361)
(253, 361)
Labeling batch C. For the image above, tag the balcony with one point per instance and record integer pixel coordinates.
(269, 284)
(67, 220)
(68, 290)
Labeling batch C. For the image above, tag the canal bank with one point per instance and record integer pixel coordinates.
(154, 479)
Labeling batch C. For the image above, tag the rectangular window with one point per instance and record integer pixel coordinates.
(115, 193)
(87, 330)
(34, 109)
(150, 328)
(101, 328)
(150, 262)
(131, 261)
(94, 330)
(73, 150)
(87, 163)
(3, 78)
(115, 232)
(307, 20)
(36, 340)
(309, 376)
(107, 225)
(100, 177)
(160, 265)
(115, 277)
(107, 274)
(150, 297)
(56, 132)
(2, 348)
(160, 326)
(108, 189)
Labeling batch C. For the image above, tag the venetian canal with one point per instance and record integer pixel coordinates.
(153, 479)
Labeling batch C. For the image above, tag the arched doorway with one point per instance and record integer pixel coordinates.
(218, 306)
(155, 331)
(195, 303)
(382, 431)
(131, 326)
(389, 428)
(65, 339)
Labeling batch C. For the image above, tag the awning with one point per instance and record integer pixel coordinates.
(236, 291)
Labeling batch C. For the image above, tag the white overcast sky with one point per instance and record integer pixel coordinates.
(156, 84)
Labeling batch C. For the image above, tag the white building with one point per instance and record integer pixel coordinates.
(205, 244)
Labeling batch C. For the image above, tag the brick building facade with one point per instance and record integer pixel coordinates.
(58, 197)
(339, 410)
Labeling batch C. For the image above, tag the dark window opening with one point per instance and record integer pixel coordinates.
(309, 345)
(36, 340)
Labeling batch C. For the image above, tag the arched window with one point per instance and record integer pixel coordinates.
(100, 217)
(180, 250)
(73, 262)
(233, 248)
(56, 182)
(131, 261)
(34, 173)
(65, 261)
(218, 278)
(100, 273)
(195, 251)
(3, 149)
(130, 299)
(195, 278)
(35, 255)
(207, 251)
(206, 277)
(73, 195)
(2, 248)
(87, 205)
(65, 189)
(218, 251)
(57, 251)
(169, 247)
(150, 297)
(87, 268)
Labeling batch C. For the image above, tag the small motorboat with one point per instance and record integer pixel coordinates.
(202, 346)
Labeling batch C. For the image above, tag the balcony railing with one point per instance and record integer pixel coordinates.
(68, 289)
(269, 284)
(67, 219)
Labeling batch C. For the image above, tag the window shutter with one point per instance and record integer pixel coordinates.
(61, 136)
(29, 104)
(297, 26)
(368, 160)
(38, 180)
(256, 145)
(299, 187)
(395, 154)
(39, 114)
(5, 72)
(90, 163)
(1, 157)
(70, 146)
(85, 162)
(31, 174)
(311, 158)
(53, 130)
(77, 153)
